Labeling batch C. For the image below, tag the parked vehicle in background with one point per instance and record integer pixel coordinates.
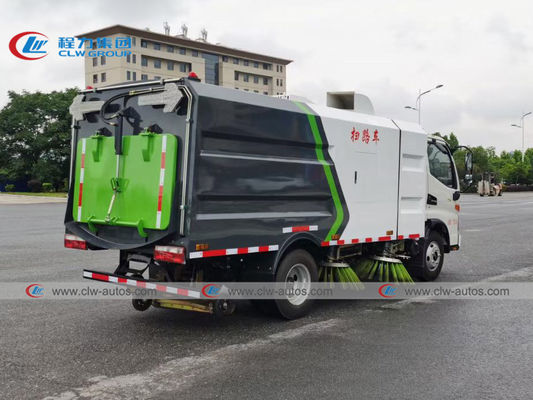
(487, 186)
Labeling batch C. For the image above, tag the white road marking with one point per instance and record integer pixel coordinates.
(180, 372)
(526, 272)
(497, 204)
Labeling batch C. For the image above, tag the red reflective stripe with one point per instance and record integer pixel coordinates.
(355, 241)
(81, 194)
(83, 160)
(160, 198)
(414, 236)
(163, 156)
(214, 253)
(101, 277)
(161, 288)
(400, 237)
(183, 292)
(234, 251)
(122, 280)
(141, 284)
(300, 228)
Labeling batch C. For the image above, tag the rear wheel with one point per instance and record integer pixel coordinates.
(297, 270)
(428, 263)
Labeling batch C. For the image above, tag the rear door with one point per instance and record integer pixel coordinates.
(130, 199)
(134, 189)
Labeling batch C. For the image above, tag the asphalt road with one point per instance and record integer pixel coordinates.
(448, 349)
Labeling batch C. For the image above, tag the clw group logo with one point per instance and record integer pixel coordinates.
(29, 45)
(211, 290)
(35, 291)
(388, 290)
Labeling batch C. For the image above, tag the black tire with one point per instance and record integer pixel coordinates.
(428, 263)
(141, 304)
(223, 308)
(296, 260)
(284, 308)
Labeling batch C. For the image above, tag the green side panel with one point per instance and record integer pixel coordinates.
(327, 170)
(137, 198)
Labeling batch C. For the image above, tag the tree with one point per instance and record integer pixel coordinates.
(528, 158)
(35, 136)
(481, 160)
(508, 166)
(452, 140)
(515, 171)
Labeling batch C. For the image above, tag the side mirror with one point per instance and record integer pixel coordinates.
(469, 166)
(456, 195)
(468, 163)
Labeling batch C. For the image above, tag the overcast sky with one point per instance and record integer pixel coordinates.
(481, 51)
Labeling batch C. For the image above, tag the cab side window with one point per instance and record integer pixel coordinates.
(441, 165)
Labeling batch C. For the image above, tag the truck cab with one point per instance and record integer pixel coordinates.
(442, 209)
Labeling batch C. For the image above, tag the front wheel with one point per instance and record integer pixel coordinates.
(297, 270)
(428, 263)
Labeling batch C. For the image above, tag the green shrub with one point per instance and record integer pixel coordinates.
(35, 185)
(64, 188)
(48, 187)
(10, 188)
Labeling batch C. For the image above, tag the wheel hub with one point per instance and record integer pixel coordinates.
(433, 256)
(298, 284)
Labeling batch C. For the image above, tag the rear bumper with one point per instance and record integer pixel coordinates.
(141, 283)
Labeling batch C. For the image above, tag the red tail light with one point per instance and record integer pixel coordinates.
(75, 242)
(172, 254)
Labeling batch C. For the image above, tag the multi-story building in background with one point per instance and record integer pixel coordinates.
(156, 56)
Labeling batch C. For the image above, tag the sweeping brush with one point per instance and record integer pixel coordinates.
(382, 269)
(332, 272)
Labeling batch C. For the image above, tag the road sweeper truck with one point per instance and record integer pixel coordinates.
(195, 182)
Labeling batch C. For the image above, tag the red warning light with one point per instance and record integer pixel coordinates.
(192, 75)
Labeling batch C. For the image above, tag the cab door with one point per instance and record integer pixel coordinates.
(443, 188)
